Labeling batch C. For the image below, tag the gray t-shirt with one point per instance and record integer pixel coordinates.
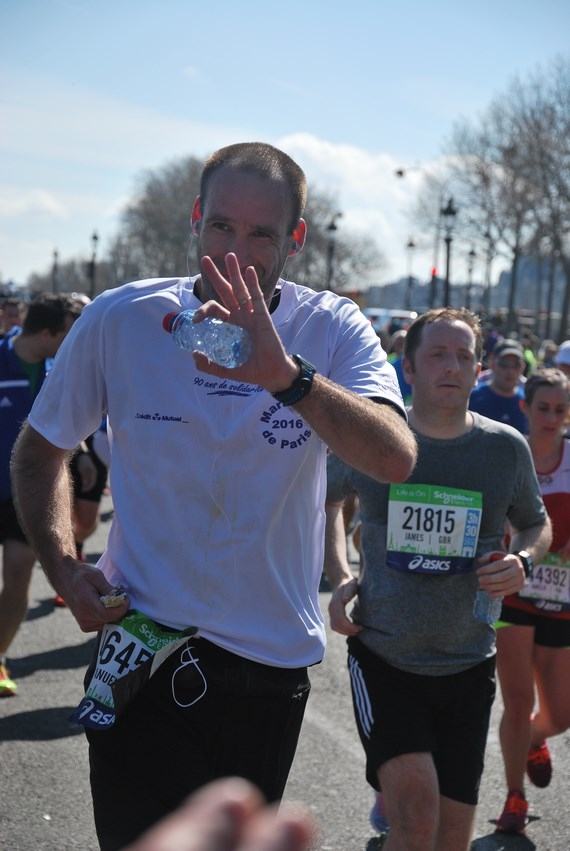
(424, 623)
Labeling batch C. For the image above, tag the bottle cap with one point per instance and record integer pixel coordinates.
(167, 321)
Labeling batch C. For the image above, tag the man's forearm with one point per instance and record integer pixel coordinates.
(43, 497)
(337, 568)
(371, 437)
(536, 540)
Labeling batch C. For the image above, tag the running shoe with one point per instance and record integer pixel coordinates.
(513, 818)
(7, 686)
(59, 601)
(378, 817)
(539, 765)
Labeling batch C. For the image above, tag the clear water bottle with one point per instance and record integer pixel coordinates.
(225, 344)
(487, 609)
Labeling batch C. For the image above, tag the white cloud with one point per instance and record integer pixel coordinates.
(17, 202)
(51, 120)
(44, 205)
(91, 147)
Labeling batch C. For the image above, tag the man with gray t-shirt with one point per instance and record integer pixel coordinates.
(421, 664)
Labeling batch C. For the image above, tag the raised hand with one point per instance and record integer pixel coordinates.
(242, 303)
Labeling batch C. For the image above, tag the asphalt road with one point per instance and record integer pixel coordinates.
(44, 788)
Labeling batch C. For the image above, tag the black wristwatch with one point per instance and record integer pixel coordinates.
(301, 386)
(527, 562)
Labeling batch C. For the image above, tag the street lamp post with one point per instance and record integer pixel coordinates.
(331, 241)
(410, 247)
(401, 172)
(490, 255)
(449, 213)
(92, 265)
(470, 264)
(54, 272)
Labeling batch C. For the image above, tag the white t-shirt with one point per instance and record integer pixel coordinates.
(218, 490)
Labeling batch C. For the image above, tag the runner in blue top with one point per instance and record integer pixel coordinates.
(501, 396)
(23, 356)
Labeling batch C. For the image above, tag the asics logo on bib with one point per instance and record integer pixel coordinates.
(424, 563)
(96, 716)
(547, 605)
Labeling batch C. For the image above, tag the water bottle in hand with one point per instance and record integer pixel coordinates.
(225, 344)
(487, 609)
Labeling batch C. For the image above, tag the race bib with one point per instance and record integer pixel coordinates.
(548, 586)
(433, 529)
(129, 653)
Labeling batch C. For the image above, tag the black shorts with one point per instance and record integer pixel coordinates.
(399, 713)
(10, 528)
(548, 632)
(96, 492)
(165, 746)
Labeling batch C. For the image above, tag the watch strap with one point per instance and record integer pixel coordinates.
(526, 561)
(302, 385)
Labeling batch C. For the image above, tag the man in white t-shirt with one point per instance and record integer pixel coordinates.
(219, 485)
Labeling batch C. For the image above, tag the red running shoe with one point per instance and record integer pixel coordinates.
(513, 818)
(539, 766)
(59, 601)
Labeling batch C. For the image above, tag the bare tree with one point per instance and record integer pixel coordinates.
(511, 172)
(155, 235)
(346, 264)
(154, 240)
(540, 111)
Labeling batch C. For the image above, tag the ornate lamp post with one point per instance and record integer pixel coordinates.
(410, 248)
(92, 265)
(448, 213)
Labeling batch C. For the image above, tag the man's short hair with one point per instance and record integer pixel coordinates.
(50, 310)
(265, 161)
(442, 314)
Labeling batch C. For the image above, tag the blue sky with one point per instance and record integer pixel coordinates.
(93, 92)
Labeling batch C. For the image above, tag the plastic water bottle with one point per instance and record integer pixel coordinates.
(225, 344)
(487, 609)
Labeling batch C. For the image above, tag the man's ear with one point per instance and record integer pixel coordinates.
(298, 238)
(196, 216)
(407, 369)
